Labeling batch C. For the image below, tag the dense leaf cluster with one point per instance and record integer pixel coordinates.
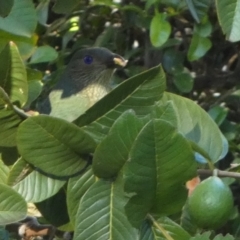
(119, 170)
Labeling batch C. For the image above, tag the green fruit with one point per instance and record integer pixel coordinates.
(211, 203)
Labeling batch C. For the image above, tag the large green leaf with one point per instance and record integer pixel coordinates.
(9, 121)
(197, 126)
(5, 7)
(22, 19)
(159, 228)
(112, 153)
(76, 188)
(12, 206)
(54, 145)
(138, 93)
(160, 30)
(229, 18)
(33, 187)
(160, 162)
(101, 213)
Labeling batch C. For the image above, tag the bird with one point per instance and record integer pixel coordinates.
(85, 81)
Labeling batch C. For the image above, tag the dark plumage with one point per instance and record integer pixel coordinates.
(85, 80)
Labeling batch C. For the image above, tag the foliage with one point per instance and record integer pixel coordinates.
(119, 170)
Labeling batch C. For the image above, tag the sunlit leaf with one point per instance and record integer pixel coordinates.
(22, 19)
(160, 30)
(229, 18)
(12, 206)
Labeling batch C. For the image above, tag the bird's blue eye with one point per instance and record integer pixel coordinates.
(88, 59)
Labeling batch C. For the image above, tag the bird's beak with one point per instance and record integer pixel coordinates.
(119, 61)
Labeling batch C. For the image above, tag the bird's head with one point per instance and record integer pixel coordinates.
(94, 65)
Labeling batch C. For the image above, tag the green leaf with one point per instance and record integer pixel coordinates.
(203, 236)
(18, 172)
(160, 30)
(26, 46)
(63, 7)
(54, 209)
(33, 187)
(112, 153)
(198, 8)
(5, 7)
(9, 155)
(160, 162)
(162, 226)
(35, 85)
(4, 170)
(44, 54)
(9, 121)
(64, 145)
(138, 93)
(204, 28)
(22, 19)
(76, 188)
(198, 47)
(14, 79)
(226, 237)
(183, 81)
(195, 124)
(19, 87)
(218, 114)
(229, 17)
(101, 213)
(13, 208)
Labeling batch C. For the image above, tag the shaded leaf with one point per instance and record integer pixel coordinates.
(183, 81)
(64, 145)
(12, 206)
(101, 213)
(160, 30)
(198, 47)
(5, 7)
(160, 162)
(138, 93)
(112, 153)
(9, 121)
(61, 6)
(218, 114)
(44, 54)
(229, 18)
(76, 188)
(198, 8)
(54, 209)
(24, 25)
(195, 124)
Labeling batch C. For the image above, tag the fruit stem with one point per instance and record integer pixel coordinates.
(207, 172)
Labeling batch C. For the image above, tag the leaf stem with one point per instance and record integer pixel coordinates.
(160, 228)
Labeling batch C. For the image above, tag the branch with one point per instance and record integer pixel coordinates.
(207, 172)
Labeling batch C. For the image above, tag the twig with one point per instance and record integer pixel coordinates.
(207, 172)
